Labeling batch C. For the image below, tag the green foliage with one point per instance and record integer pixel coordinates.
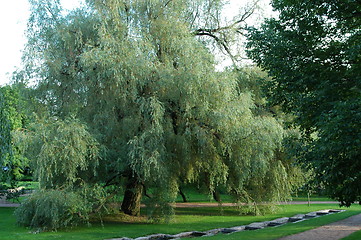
(5, 137)
(12, 123)
(64, 153)
(313, 54)
(12, 109)
(28, 185)
(65, 157)
(53, 209)
(14, 190)
(11, 194)
(147, 91)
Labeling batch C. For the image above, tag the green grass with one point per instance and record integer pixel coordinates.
(18, 200)
(28, 185)
(194, 195)
(353, 236)
(186, 219)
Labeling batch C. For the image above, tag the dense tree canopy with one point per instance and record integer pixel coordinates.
(146, 89)
(13, 163)
(5, 139)
(313, 53)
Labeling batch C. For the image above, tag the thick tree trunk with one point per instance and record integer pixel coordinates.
(132, 197)
(217, 196)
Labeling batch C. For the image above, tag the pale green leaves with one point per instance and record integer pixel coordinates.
(147, 150)
(67, 151)
(149, 92)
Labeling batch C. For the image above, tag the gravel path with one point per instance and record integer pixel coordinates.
(332, 231)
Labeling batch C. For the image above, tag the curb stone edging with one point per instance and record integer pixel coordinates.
(278, 221)
(252, 226)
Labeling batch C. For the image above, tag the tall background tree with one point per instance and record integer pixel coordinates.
(14, 120)
(5, 137)
(313, 53)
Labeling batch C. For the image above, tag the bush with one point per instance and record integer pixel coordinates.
(53, 209)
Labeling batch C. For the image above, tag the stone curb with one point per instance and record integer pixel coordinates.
(252, 226)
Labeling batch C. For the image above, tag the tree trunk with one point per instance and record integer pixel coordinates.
(145, 192)
(132, 197)
(183, 195)
(217, 196)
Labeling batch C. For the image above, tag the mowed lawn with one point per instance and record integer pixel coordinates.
(186, 219)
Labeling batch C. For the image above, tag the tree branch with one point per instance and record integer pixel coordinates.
(219, 34)
(217, 39)
(166, 4)
(109, 181)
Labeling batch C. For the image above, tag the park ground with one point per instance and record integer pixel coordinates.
(195, 216)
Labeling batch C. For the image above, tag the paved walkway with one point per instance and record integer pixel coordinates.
(332, 231)
(4, 203)
(213, 204)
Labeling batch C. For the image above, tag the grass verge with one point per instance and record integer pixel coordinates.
(186, 219)
(353, 236)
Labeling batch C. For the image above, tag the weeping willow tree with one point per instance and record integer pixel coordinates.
(145, 84)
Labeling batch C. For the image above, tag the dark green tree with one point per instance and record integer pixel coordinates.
(5, 136)
(313, 54)
(15, 119)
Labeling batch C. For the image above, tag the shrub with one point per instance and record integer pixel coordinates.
(53, 209)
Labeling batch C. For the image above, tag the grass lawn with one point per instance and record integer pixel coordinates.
(186, 219)
(353, 236)
(194, 195)
(29, 185)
